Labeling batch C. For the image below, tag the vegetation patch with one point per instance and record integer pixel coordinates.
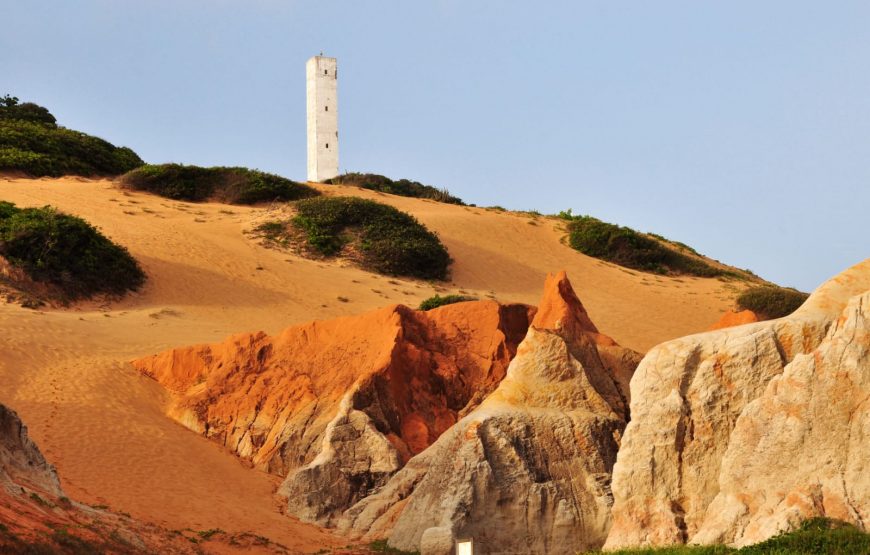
(815, 536)
(438, 300)
(376, 236)
(229, 185)
(632, 249)
(401, 187)
(770, 301)
(65, 252)
(381, 546)
(31, 142)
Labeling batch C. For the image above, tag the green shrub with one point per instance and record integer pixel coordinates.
(437, 300)
(627, 247)
(11, 109)
(229, 185)
(31, 142)
(771, 301)
(388, 241)
(66, 252)
(817, 535)
(381, 546)
(814, 537)
(402, 187)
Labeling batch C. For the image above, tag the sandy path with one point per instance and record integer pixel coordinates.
(102, 424)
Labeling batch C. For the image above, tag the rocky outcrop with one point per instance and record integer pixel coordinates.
(528, 471)
(732, 318)
(734, 433)
(337, 407)
(21, 463)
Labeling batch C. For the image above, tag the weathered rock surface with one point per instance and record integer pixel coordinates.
(801, 449)
(734, 433)
(339, 406)
(21, 463)
(528, 471)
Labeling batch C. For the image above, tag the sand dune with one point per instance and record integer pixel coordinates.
(66, 371)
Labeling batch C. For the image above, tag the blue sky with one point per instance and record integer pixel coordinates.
(741, 128)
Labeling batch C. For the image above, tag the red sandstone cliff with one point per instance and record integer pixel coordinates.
(339, 406)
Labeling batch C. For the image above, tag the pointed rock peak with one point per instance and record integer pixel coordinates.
(560, 309)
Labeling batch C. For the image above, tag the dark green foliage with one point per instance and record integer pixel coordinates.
(402, 187)
(381, 546)
(390, 241)
(817, 535)
(66, 252)
(31, 142)
(74, 544)
(437, 300)
(627, 247)
(230, 185)
(10, 108)
(771, 301)
(207, 534)
(814, 537)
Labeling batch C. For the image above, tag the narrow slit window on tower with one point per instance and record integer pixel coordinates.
(327, 145)
(326, 72)
(327, 108)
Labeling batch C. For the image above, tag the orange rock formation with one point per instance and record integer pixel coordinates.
(732, 318)
(351, 399)
(527, 471)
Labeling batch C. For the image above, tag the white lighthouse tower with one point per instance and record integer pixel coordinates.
(321, 76)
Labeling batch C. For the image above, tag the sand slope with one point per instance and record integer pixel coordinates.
(103, 425)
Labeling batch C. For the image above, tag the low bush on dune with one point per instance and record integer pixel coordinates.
(31, 142)
(65, 252)
(770, 301)
(632, 249)
(438, 300)
(378, 237)
(814, 537)
(401, 187)
(229, 185)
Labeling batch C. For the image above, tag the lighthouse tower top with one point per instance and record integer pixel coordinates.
(321, 76)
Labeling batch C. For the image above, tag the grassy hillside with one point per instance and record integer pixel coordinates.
(64, 253)
(401, 187)
(646, 252)
(31, 142)
(376, 236)
(229, 185)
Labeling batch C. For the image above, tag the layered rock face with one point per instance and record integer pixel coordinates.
(739, 433)
(339, 406)
(528, 471)
(21, 463)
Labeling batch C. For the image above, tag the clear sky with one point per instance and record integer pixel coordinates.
(741, 128)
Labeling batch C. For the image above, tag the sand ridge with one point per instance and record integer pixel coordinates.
(66, 371)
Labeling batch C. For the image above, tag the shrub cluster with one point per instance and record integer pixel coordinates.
(66, 252)
(402, 187)
(629, 248)
(10, 108)
(389, 241)
(438, 300)
(771, 301)
(815, 536)
(31, 142)
(229, 185)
